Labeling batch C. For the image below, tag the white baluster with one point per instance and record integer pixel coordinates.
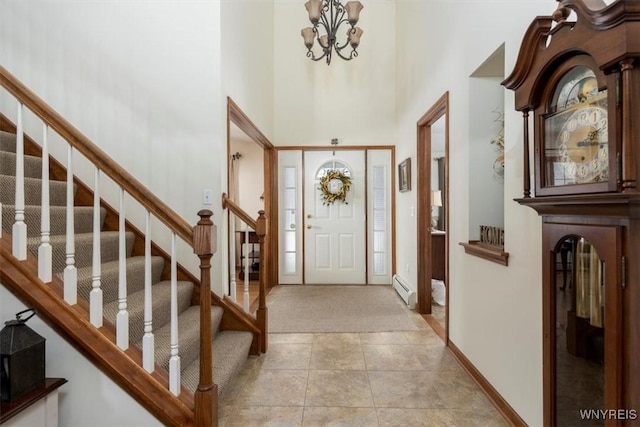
(232, 256)
(148, 362)
(95, 297)
(70, 274)
(44, 250)
(174, 362)
(122, 319)
(245, 297)
(19, 230)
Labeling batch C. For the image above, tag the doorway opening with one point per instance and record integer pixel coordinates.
(433, 216)
(252, 185)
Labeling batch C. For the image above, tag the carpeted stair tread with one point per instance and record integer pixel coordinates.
(230, 348)
(230, 352)
(189, 336)
(32, 165)
(7, 141)
(161, 303)
(32, 191)
(83, 219)
(109, 248)
(109, 277)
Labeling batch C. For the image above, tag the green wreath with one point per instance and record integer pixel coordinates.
(334, 186)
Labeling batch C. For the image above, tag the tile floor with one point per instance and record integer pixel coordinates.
(357, 379)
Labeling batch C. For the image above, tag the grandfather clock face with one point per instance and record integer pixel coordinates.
(576, 149)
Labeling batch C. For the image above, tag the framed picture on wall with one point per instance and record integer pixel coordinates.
(404, 175)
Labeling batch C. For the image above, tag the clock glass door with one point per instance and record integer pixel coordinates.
(576, 149)
(584, 351)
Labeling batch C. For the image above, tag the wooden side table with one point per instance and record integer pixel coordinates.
(36, 408)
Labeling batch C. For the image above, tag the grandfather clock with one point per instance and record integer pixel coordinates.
(577, 84)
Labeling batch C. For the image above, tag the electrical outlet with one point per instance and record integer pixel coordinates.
(408, 268)
(412, 211)
(207, 197)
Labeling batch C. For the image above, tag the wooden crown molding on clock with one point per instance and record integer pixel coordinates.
(544, 46)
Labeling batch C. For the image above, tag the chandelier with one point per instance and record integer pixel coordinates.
(328, 16)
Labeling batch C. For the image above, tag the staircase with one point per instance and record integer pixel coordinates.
(234, 335)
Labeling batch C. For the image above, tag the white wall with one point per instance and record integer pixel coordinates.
(250, 175)
(246, 69)
(89, 398)
(141, 79)
(353, 101)
(495, 311)
(247, 64)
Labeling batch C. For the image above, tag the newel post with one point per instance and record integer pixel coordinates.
(206, 396)
(261, 314)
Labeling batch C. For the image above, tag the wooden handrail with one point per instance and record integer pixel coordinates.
(95, 155)
(227, 203)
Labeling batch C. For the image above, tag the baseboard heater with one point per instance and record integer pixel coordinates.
(407, 294)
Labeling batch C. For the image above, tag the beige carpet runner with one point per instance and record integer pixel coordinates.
(337, 308)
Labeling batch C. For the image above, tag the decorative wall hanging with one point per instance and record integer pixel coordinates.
(404, 175)
(334, 187)
(498, 143)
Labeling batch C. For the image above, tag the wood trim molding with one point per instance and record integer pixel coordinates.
(423, 212)
(499, 402)
(475, 248)
(236, 116)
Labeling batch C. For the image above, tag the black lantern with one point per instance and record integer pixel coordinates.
(22, 358)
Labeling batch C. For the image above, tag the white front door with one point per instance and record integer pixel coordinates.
(334, 234)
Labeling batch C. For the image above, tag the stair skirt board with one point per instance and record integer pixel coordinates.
(230, 348)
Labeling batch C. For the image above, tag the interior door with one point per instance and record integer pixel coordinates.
(334, 234)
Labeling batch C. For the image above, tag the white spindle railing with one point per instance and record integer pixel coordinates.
(148, 362)
(70, 271)
(19, 230)
(247, 269)
(95, 297)
(232, 258)
(246, 257)
(122, 318)
(174, 361)
(45, 251)
(70, 274)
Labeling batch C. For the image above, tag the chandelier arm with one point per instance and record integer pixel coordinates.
(353, 54)
(325, 25)
(323, 20)
(313, 57)
(338, 47)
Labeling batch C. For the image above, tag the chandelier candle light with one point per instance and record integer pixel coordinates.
(329, 15)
